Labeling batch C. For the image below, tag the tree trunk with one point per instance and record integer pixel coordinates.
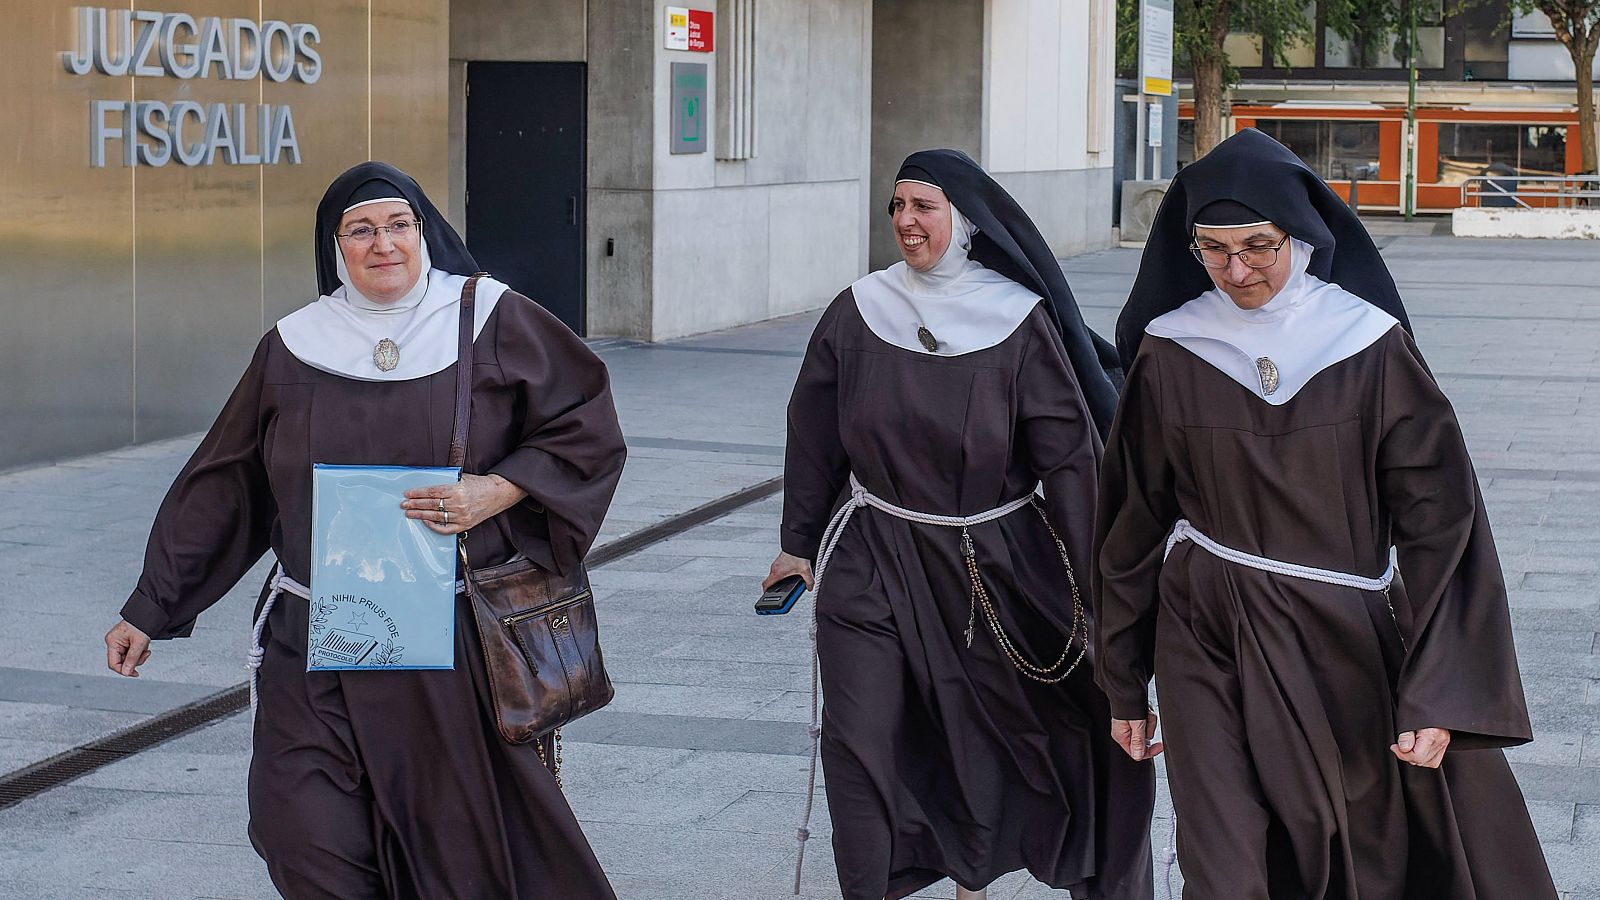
(1586, 136)
(1207, 105)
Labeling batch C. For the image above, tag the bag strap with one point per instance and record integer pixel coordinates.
(458, 434)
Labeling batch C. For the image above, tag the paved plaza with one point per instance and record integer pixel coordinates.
(691, 783)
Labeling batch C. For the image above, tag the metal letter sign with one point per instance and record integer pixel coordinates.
(1155, 47)
(156, 45)
(689, 108)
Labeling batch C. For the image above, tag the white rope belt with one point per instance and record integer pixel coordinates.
(279, 583)
(859, 497)
(1184, 531)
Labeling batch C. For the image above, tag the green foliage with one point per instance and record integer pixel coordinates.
(1201, 25)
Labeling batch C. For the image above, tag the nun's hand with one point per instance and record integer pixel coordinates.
(1424, 747)
(784, 566)
(454, 508)
(127, 648)
(1133, 736)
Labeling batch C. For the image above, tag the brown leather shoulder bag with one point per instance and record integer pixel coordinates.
(540, 637)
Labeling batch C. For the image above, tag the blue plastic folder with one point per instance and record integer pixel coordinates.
(382, 585)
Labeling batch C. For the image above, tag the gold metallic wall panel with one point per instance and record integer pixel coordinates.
(66, 273)
(130, 298)
(331, 116)
(411, 92)
(197, 243)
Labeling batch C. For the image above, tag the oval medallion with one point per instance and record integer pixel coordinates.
(929, 342)
(1269, 375)
(386, 355)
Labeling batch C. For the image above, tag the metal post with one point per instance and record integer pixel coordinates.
(1409, 184)
(1138, 141)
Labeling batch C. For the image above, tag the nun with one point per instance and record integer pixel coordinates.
(391, 784)
(1333, 730)
(962, 736)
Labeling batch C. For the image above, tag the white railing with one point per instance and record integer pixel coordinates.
(1531, 191)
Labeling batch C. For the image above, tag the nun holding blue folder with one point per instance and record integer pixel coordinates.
(379, 772)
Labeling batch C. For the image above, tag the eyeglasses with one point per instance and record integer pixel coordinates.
(1254, 257)
(400, 231)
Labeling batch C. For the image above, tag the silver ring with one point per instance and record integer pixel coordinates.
(441, 504)
(447, 518)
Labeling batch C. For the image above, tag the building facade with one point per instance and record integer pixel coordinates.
(1494, 95)
(645, 170)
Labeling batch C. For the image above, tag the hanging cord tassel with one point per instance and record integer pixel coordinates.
(1169, 853)
(279, 583)
(830, 540)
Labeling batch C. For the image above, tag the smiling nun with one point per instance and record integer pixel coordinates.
(1333, 725)
(391, 784)
(961, 737)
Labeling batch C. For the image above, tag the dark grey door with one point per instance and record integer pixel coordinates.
(525, 180)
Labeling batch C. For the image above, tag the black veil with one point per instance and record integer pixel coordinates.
(1008, 242)
(1257, 171)
(445, 247)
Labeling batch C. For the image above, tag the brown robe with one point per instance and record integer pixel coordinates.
(1281, 696)
(942, 759)
(394, 784)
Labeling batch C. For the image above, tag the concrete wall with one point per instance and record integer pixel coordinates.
(1047, 122)
(1526, 223)
(131, 298)
(700, 244)
(927, 91)
(740, 241)
(1023, 86)
(518, 30)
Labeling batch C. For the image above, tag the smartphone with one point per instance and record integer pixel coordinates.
(781, 597)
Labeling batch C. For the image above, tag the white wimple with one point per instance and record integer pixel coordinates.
(859, 497)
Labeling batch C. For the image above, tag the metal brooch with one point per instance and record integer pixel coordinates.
(1269, 375)
(928, 341)
(386, 355)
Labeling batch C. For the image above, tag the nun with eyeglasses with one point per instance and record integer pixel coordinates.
(1292, 543)
(944, 438)
(388, 784)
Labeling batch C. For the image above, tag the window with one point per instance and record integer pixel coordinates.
(1336, 150)
(1472, 149)
(1243, 49)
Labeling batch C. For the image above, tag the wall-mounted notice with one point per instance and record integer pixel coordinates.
(701, 29)
(690, 29)
(689, 131)
(1155, 47)
(677, 28)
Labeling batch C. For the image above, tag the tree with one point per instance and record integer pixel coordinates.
(1201, 29)
(1577, 27)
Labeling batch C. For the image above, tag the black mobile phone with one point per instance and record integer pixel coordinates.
(781, 597)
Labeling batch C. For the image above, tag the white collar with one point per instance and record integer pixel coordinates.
(1309, 326)
(963, 305)
(338, 333)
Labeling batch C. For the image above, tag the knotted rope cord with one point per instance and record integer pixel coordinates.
(279, 583)
(1184, 530)
(859, 497)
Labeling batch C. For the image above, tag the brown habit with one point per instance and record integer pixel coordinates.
(941, 759)
(1280, 696)
(394, 784)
